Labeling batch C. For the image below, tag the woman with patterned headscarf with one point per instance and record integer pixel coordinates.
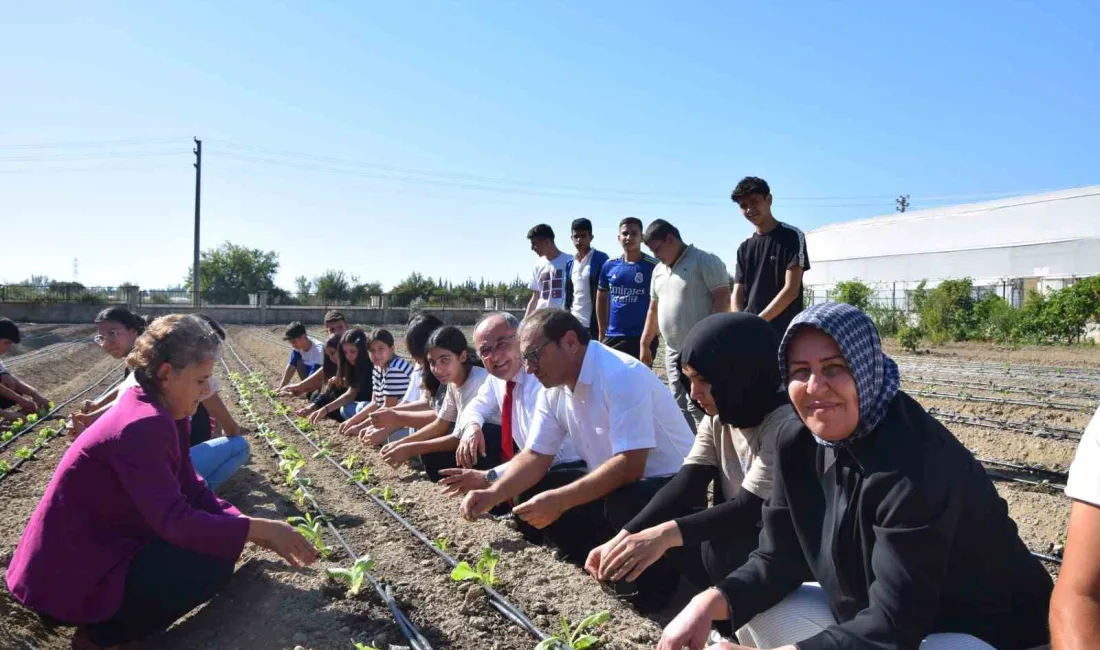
(879, 504)
(729, 360)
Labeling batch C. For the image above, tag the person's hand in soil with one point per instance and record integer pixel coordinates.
(457, 482)
(87, 406)
(691, 627)
(305, 410)
(478, 502)
(384, 418)
(396, 455)
(541, 510)
(293, 390)
(77, 423)
(282, 539)
(633, 554)
(318, 415)
(374, 437)
(26, 405)
(349, 428)
(471, 447)
(596, 557)
(41, 401)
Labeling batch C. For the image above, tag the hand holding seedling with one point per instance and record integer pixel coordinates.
(282, 539)
(316, 416)
(304, 411)
(626, 556)
(541, 510)
(457, 482)
(396, 455)
(471, 448)
(476, 503)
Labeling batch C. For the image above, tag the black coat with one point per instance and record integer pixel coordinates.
(905, 533)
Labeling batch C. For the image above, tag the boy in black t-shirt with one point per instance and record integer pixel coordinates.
(770, 263)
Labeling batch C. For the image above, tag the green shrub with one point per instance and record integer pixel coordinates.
(909, 337)
(853, 292)
(997, 320)
(947, 313)
(888, 320)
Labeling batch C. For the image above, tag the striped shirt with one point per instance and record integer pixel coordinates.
(392, 381)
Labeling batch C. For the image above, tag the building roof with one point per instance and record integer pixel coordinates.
(1061, 216)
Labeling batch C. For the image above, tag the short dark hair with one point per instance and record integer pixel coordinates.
(420, 329)
(332, 316)
(214, 325)
(660, 229)
(9, 330)
(541, 231)
(555, 323)
(748, 186)
(582, 224)
(124, 317)
(294, 330)
(380, 334)
(632, 221)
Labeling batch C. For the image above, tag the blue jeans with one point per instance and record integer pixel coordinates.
(351, 408)
(218, 458)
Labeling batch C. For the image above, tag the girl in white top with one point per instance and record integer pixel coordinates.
(454, 365)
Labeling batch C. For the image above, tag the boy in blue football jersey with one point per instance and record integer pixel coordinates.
(622, 296)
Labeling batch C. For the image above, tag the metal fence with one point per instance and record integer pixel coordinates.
(276, 298)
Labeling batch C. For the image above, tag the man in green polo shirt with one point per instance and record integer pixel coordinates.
(688, 285)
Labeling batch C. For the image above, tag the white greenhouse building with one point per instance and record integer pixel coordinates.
(1008, 246)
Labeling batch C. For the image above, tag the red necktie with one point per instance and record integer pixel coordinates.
(506, 450)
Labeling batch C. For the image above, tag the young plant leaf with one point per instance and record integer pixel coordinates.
(464, 572)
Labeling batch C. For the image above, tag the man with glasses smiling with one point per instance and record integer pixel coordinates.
(625, 426)
(509, 396)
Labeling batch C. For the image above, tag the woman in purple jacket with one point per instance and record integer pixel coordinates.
(127, 539)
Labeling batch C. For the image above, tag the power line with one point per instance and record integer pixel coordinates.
(92, 156)
(91, 144)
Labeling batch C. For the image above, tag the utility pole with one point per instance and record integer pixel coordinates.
(195, 291)
(903, 202)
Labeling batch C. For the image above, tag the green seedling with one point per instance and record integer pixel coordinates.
(440, 543)
(390, 497)
(42, 439)
(576, 638)
(282, 409)
(18, 425)
(32, 418)
(303, 425)
(300, 496)
(324, 452)
(485, 572)
(4, 467)
(235, 377)
(349, 461)
(364, 646)
(24, 453)
(354, 576)
(312, 529)
(6, 436)
(362, 476)
(278, 443)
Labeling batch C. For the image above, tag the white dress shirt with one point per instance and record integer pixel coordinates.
(488, 405)
(618, 405)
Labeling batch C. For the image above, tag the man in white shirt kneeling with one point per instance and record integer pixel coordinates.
(623, 422)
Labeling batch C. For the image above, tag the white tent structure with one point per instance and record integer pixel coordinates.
(1009, 246)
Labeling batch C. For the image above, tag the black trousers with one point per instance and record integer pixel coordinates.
(581, 529)
(631, 345)
(201, 430)
(440, 460)
(165, 582)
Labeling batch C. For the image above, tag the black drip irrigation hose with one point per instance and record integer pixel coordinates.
(46, 441)
(408, 629)
(57, 407)
(990, 387)
(49, 349)
(1051, 475)
(1040, 431)
(499, 602)
(1004, 372)
(1057, 406)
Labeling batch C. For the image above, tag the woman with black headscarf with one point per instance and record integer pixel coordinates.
(730, 362)
(880, 505)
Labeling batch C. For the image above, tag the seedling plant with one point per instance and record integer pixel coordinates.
(349, 461)
(5, 467)
(361, 476)
(484, 573)
(576, 638)
(353, 576)
(440, 543)
(364, 646)
(24, 453)
(312, 529)
(390, 497)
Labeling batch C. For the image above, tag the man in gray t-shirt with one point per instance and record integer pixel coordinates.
(688, 285)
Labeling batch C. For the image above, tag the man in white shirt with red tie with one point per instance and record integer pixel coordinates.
(623, 422)
(508, 395)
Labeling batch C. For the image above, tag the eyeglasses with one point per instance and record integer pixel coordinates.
(502, 344)
(531, 357)
(111, 335)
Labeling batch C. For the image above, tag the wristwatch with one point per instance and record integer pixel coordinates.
(491, 476)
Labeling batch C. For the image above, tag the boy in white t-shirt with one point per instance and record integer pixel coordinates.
(548, 278)
(307, 354)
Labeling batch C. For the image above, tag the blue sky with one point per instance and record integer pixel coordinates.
(382, 138)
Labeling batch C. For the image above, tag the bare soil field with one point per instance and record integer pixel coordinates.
(1025, 407)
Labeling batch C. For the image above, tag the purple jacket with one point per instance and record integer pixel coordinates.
(126, 480)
